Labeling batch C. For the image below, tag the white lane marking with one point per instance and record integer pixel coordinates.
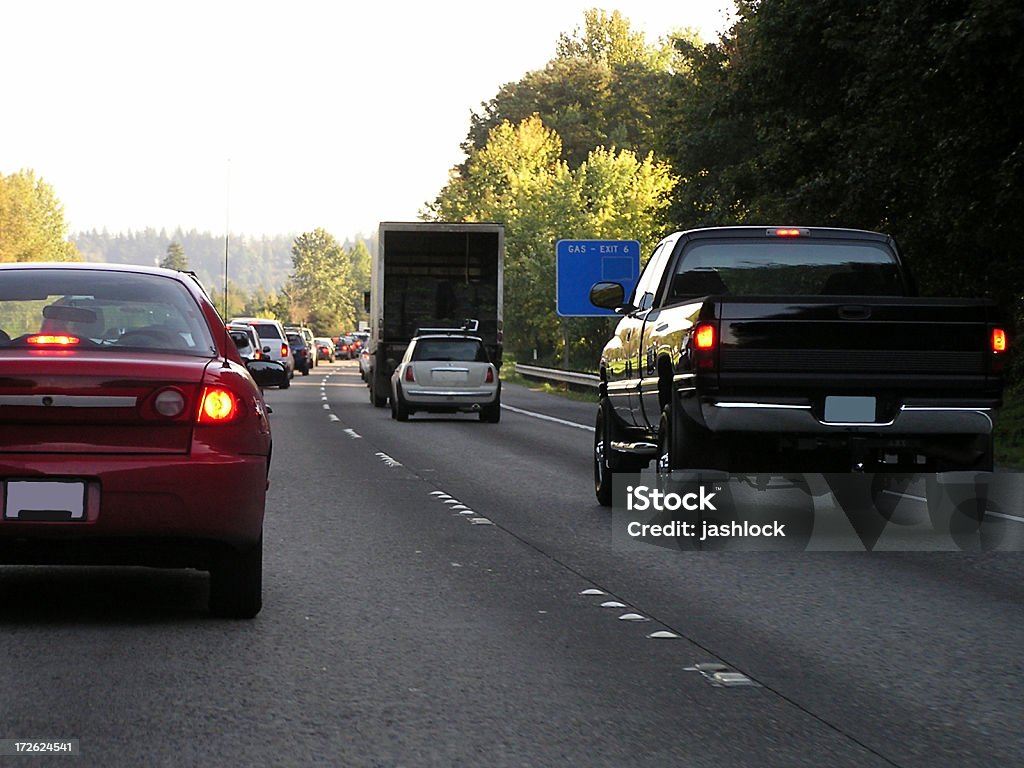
(663, 634)
(351, 432)
(327, 406)
(923, 500)
(387, 459)
(332, 417)
(592, 592)
(1003, 515)
(544, 417)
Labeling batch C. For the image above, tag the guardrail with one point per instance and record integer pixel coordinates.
(571, 378)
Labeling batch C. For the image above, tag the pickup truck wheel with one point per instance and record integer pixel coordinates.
(957, 509)
(607, 461)
(684, 445)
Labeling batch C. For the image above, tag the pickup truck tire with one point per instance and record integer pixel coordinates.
(607, 461)
(957, 510)
(684, 445)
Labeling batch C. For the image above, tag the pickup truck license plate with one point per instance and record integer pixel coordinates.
(850, 410)
(47, 500)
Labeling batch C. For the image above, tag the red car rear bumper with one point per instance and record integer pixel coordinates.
(188, 501)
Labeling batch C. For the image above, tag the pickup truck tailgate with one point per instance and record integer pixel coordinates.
(936, 344)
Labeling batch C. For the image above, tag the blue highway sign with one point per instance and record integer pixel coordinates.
(581, 263)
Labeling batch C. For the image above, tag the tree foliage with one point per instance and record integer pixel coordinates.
(32, 224)
(902, 115)
(175, 258)
(326, 286)
(600, 90)
(519, 178)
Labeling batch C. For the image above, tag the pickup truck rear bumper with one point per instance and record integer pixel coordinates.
(732, 416)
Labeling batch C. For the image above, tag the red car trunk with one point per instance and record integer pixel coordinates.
(52, 401)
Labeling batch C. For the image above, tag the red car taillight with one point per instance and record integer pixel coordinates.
(284, 350)
(218, 405)
(52, 340)
(409, 375)
(490, 376)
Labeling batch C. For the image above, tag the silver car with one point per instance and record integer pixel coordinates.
(446, 372)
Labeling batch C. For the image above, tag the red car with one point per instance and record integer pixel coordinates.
(131, 432)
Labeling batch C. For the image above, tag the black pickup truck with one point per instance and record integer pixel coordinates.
(775, 350)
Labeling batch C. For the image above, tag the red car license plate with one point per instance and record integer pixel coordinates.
(44, 500)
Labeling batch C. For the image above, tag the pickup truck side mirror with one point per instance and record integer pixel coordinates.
(609, 296)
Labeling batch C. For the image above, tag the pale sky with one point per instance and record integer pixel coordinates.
(269, 118)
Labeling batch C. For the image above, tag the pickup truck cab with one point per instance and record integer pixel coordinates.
(784, 349)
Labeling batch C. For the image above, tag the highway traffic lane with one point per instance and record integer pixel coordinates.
(493, 637)
(895, 633)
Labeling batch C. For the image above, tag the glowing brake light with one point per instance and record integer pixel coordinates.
(704, 337)
(218, 406)
(999, 343)
(51, 340)
(284, 350)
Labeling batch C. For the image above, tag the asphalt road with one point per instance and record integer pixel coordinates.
(428, 602)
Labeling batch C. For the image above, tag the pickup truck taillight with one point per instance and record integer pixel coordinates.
(705, 346)
(704, 337)
(999, 342)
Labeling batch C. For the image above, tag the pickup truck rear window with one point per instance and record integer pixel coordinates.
(786, 267)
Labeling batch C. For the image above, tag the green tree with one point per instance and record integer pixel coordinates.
(519, 178)
(609, 39)
(359, 266)
(32, 224)
(175, 258)
(320, 285)
(600, 90)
